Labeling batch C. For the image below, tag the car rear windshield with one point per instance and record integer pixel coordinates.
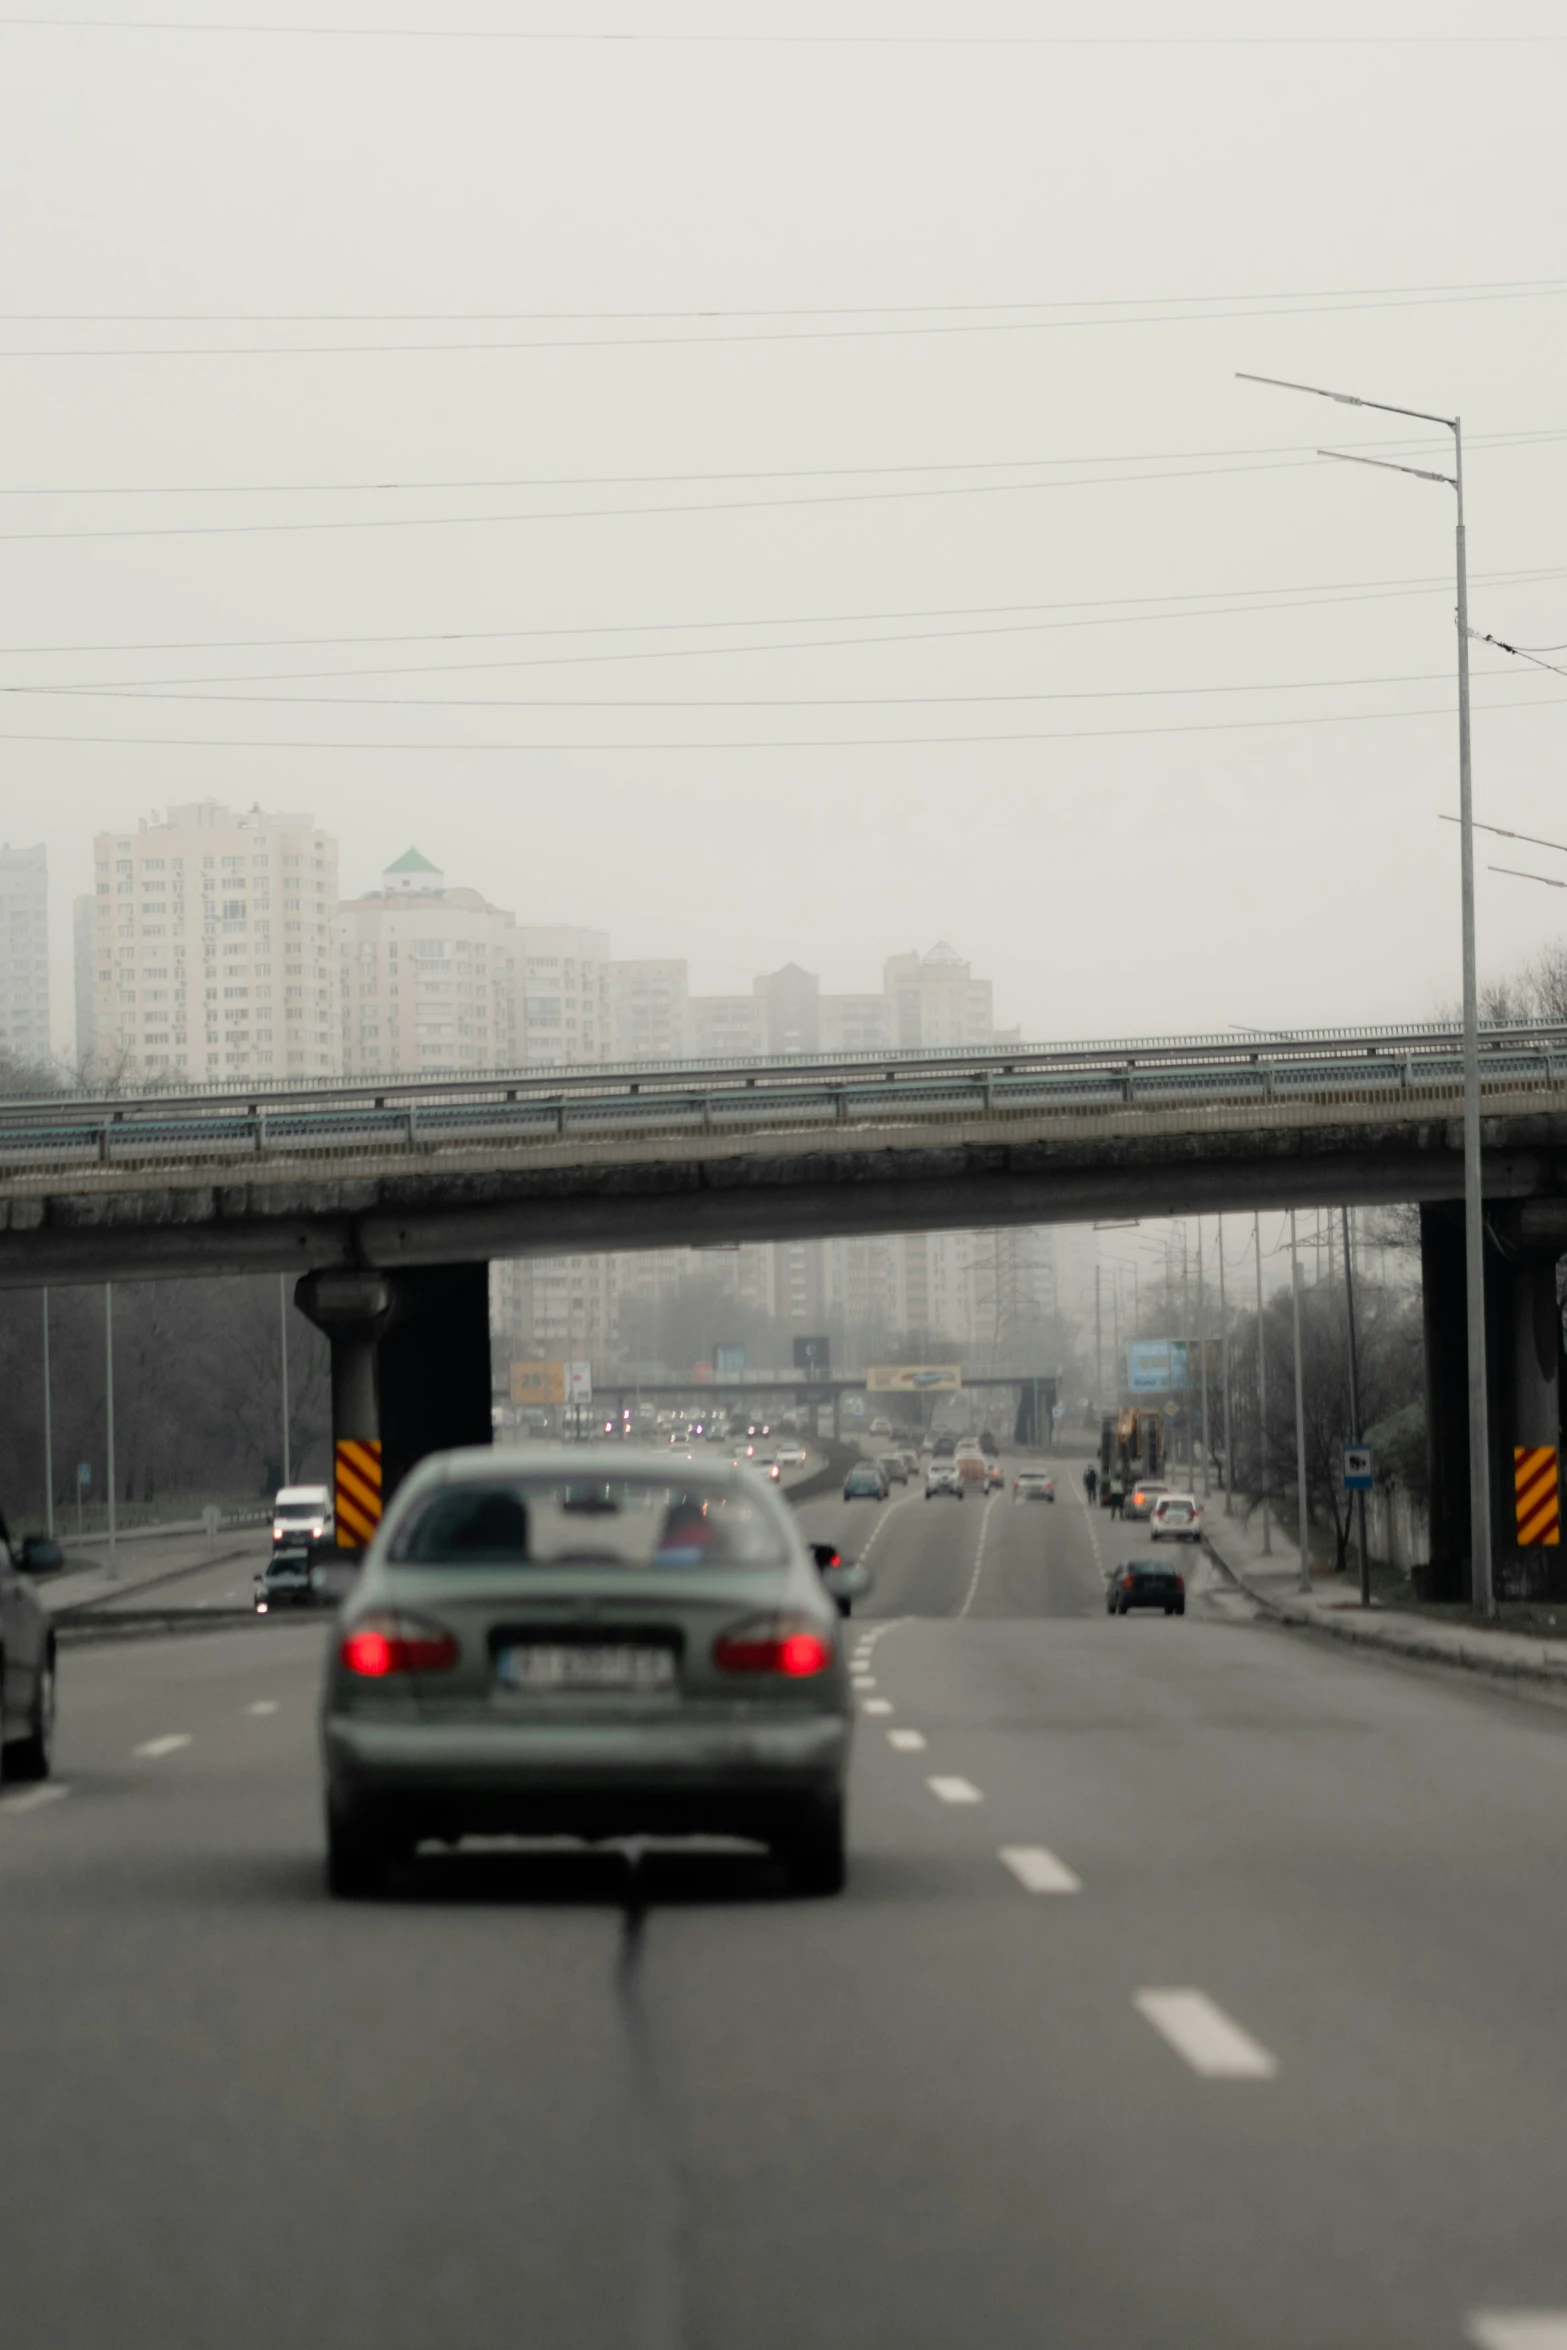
(590, 1521)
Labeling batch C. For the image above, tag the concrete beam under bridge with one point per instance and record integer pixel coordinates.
(168, 1232)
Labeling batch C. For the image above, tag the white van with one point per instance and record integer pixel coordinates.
(303, 1513)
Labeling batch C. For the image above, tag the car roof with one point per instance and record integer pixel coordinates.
(301, 1493)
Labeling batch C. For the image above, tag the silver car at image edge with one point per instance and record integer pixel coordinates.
(595, 1642)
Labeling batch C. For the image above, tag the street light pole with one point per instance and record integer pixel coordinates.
(48, 1432)
(1300, 1421)
(1262, 1388)
(108, 1392)
(1481, 1579)
(1224, 1381)
(1202, 1341)
(282, 1315)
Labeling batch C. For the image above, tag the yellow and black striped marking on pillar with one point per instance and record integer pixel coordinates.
(1535, 1488)
(358, 1491)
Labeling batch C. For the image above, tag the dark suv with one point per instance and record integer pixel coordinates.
(26, 1657)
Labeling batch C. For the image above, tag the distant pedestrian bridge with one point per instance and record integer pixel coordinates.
(411, 1171)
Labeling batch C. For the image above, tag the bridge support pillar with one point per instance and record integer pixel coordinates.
(1525, 1394)
(352, 1308)
(410, 1376)
(435, 1365)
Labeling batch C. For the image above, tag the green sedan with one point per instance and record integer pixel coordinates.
(597, 1643)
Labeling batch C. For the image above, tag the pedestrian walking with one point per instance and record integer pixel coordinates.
(1091, 1483)
(1117, 1497)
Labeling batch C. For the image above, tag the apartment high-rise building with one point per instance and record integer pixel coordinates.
(790, 1001)
(726, 1027)
(855, 1024)
(24, 954)
(429, 976)
(212, 949)
(936, 1000)
(563, 980)
(648, 1002)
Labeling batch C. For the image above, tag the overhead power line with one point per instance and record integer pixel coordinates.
(1545, 289)
(153, 693)
(273, 744)
(722, 312)
(1105, 612)
(582, 481)
(610, 37)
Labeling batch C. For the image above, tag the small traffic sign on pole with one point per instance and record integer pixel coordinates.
(1359, 1473)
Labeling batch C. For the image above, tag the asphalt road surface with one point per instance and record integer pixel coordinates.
(1197, 1988)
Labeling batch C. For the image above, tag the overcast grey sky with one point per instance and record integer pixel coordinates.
(1189, 869)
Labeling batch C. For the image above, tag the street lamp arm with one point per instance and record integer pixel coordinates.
(1384, 465)
(1282, 383)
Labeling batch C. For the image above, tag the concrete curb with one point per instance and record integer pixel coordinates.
(1549, 1670)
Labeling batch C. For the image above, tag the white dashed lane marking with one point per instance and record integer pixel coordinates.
(954, 1791)
(1205, 2036)
(1039, 1871)
(152, 1748)
(1518, 2329)
(263, 1705)
(35, 1798)
(906, 1741)
(877, 1705)
(979, 1558)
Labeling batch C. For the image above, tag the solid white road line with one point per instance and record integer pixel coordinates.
(171, 1744)
(36, 1797)
(1205, 2036)
(906, 1741)
(954, 1791)
(1039, 1871)
(263, 1705)
(877, 1705)
(1518, 2329)
(979, 1558)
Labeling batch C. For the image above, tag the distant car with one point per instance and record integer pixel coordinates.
(791, 1456)
(988, 1444)
(843, 1581)
(1146, 1583)
(911, 1460)
(1141, 1496)
(942, 1478)
(864, 1483)
(1177, 1517)
(303, 1513)
(27, 1656)
(995, 1476)
(289, 1579)
(591, 1643)
(881, 1427)
(894, 1468)
(944, 1448)
(973, 1468)
(1033, 1485)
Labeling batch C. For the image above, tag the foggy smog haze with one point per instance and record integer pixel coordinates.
(1188, 870)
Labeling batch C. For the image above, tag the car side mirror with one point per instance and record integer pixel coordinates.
(39, 1555)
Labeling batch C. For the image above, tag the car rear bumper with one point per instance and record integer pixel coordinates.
(676, 1777)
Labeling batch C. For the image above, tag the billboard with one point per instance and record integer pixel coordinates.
(729, 1361)
(813, 1355)
(914, 1378)
(579, 1382)
(1155, 1366)
(538, 1383)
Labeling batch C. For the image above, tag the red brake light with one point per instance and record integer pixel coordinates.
(396, 1644)
(774, 1644)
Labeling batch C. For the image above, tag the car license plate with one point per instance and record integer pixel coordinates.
(586, 1665)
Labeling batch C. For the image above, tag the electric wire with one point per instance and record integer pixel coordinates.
(613, 38)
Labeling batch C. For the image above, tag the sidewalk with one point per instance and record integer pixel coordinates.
(87, 1581)
(1333, 1606)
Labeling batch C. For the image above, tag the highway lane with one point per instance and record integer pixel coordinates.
(491, 2108)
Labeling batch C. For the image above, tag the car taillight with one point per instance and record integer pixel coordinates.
(774, 1644)
(1180, 1582)
(391, 1643)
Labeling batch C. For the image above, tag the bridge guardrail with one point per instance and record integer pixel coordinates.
(99, 1148)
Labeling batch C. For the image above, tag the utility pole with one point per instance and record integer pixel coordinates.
(1300, 1422)
(1099, 1345)
(1186, 1333)
(1262, 1388)
(1481, 1581)
(282, 1315)
(1354, 1409)
(48, 1432)
(1224, 1381)
(108, 1367)
(1202, 1341)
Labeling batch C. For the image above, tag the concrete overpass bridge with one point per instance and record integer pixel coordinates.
(388, 1198)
